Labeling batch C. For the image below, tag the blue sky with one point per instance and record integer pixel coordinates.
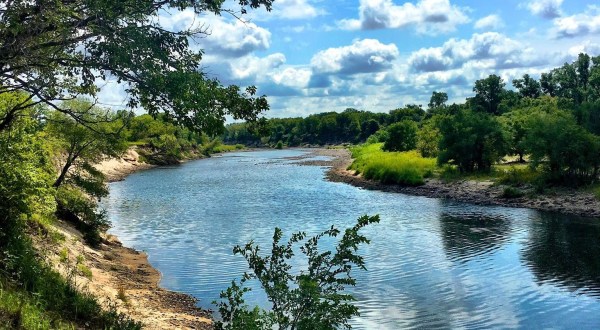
(311, 56)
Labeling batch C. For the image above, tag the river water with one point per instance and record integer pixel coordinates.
(431, 263)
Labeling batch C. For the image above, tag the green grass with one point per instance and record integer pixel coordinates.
(407, 168)
(34, 296)
(227, 148)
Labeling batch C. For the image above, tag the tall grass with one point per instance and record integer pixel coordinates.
(407, 168)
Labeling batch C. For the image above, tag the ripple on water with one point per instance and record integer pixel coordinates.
(431, 264)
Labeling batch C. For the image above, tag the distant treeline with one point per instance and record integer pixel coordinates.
(553, 121)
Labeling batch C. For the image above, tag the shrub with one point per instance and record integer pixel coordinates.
(512, 192)
(407, 168)
(309, 299)
(402, 136)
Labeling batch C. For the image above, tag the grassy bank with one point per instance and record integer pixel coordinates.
(35, 296)
(407, 168)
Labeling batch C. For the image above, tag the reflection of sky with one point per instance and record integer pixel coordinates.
(188, 218)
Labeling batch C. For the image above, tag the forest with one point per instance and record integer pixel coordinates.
(552, 124)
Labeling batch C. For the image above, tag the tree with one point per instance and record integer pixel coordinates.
(471, 140)
(428, 137)
(566, 151)
(309, 299)
(86, 145)
(528, 87)
(488, 93)
(548, 84)
(437, 100)
(25, 168)
(58, 50)
(402, 136)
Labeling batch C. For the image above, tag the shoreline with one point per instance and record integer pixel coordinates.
(567, 201)
(123, 272)
(124, 276)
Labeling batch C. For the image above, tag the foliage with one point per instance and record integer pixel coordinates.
(310, 299)
(380, 136)
(402, 136)
(428, 137)
(565, 150)
(512, 192)
(54, 50)
(407, 168)
(85, 145)
(471, 140)
(528, 87)
(488, 94)
(25, 167)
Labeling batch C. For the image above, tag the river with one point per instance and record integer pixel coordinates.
(431, 263)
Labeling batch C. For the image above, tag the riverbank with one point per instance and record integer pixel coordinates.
(123, 276)
(564, 200)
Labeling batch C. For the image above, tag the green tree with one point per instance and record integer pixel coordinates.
(565, 150)
(488, 93)
(437, 100)
(528, 87)
(548, 84)
(471, 140)
(402, 136)
(312, 298)
(26, 171)
(54, 50)
(85, 145)
(428, 137)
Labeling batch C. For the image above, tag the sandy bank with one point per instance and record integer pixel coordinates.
(116, 169)
(123, 276)
(566, 200)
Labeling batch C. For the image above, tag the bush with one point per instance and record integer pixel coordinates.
(402, 136)
(407, 168)
(308, 299)
(279, 145)
(512, 192)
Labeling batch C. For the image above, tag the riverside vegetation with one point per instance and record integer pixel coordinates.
(52, 132)
(543, 134)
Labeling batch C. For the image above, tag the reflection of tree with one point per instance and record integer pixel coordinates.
(467, 235)
(566, 250)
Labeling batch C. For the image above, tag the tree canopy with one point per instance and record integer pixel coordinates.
(57, 50)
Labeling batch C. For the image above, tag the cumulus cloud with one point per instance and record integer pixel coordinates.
(491, 22)
(368, 55)
(548, 9)
(487, 50)
(578, 25)
(294, 9)
(233, 39)
(426, 16)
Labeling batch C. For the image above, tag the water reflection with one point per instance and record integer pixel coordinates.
(565, 250)
(468, 235)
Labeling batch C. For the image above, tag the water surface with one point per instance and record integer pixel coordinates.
(431, 263)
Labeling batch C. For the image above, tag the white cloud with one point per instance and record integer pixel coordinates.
(578, 25)
(292, 77)
(548, 9)
(368, 55)
(486, 50)
(251, 66)
(587, 47)
(427, 16)
(233, 39)
(491, 22)
(294, 9)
